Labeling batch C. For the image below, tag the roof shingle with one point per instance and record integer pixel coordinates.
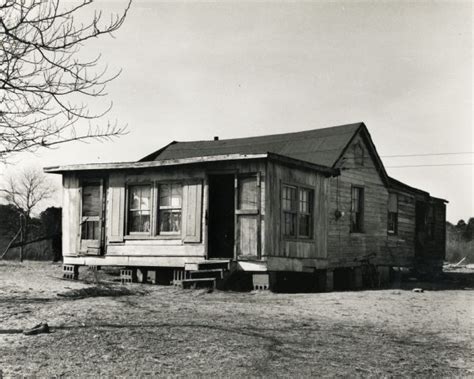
(318, 146)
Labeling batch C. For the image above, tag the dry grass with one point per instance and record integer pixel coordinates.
(170, 332)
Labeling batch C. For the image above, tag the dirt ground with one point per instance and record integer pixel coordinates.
(166, 331)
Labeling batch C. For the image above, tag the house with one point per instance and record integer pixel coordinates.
(314, 207)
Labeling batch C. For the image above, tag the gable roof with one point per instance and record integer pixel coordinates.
(318, 146)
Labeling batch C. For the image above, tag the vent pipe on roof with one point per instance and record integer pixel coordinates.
(216, 138)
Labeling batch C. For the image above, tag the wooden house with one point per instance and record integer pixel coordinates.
(313, 207)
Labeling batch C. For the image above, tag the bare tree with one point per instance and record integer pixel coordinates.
(44, 83)
(26, 192)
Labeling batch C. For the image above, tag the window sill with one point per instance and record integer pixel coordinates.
(355, 234)
(298, 239)
(148, 237)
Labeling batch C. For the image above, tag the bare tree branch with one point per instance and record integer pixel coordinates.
(43, 82)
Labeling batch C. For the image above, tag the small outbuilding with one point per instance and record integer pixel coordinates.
(314, 207)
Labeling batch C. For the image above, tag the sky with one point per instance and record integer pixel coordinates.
(194, 70)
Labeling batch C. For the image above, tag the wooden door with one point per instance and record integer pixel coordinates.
(92, 217)
(247, 216)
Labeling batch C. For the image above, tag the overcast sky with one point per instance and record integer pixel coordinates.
(194, 70)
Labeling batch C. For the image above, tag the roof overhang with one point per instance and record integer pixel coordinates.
(150, 164)
(328, 171)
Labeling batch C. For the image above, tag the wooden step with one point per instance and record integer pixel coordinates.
(199, 283)
(214, 264)
(207, 265)
(217, 273)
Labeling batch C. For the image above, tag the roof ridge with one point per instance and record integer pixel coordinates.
(355, 124)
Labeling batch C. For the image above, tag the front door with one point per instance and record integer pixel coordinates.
(247, 216)
(92, 217)
(221, 216)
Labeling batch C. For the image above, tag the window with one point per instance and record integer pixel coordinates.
(289, 211)
(139, 209)
(170, 204)
(358, 155)
(357, 210)
(297, 208)
(304, 216)
(392, 226)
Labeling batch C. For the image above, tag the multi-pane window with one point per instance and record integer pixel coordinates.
(392, 226)
(289, 207)
(357, 210)
(297, 208)
(139, 209)
(170, 204)
(305, 210)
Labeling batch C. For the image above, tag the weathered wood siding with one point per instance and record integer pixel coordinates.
(283, 253)
(434, 240)
(344, 247)
(401, 246)
(71, 215)
(171, 250)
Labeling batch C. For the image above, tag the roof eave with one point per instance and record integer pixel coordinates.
(327, 171)
(150, 164)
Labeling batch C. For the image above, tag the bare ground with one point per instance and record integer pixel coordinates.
(165, 331)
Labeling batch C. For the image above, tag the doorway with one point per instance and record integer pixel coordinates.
(92, 217)
(221, 216)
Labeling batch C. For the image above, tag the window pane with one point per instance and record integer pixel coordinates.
(171, 195)
(289, 224)
(145, 198)
(305, 201)
(139, 221)
(355, 199)
(170, 221)
(304, 225)
(165, 200)
(288, 198)
(139, 197)
(392, 222)
(176, 194)
(134, 199)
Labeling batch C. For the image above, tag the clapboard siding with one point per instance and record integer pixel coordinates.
(344, 247)
(276, 244)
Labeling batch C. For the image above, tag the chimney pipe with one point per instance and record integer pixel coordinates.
(216, 138)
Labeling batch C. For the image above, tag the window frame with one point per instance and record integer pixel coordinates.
(159, 208)
(128, 233)
(360, 229)
(394, 231)
(296, 212)
(359, 154)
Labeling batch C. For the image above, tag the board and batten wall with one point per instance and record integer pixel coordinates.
(166, 251)
(346, 248)
(283, 254)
